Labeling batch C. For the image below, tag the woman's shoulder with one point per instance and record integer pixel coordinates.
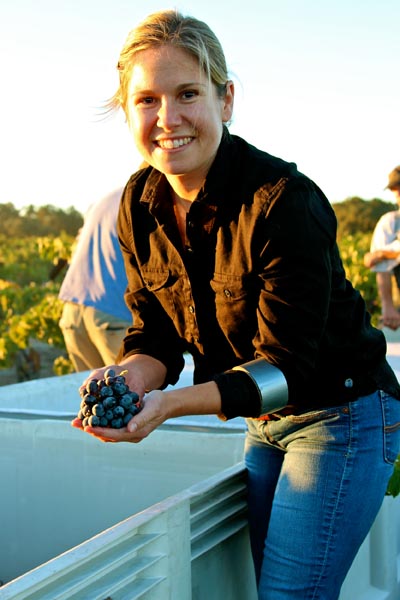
(263, 170)
(279, 184)
(136, 184)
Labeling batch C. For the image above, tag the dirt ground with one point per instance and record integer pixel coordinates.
(47, 356)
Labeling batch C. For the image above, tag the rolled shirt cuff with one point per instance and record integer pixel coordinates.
(270, 382)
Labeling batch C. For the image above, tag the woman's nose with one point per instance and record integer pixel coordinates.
(168, 115)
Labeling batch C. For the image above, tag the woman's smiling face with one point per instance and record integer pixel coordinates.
(175, 114)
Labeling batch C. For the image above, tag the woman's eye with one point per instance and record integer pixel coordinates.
(189, 94)
(146, 100)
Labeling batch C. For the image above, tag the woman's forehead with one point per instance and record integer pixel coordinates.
(164, 54)
(166, 65)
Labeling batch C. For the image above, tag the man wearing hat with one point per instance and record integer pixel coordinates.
(384, 255)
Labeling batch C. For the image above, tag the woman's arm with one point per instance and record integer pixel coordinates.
(152, 333)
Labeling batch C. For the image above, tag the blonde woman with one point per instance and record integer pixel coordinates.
(230, 254)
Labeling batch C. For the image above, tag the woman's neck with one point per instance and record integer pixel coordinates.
(182, 203)
(183, 188)
(181, 208)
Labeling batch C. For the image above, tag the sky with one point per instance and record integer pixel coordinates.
(317, 83)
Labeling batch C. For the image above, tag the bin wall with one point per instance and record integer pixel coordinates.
(60, 487)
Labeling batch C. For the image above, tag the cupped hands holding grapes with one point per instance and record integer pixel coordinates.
(112, 397)
(151, 413)
(143, 411)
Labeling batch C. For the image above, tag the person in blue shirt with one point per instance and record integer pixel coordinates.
(95, 317)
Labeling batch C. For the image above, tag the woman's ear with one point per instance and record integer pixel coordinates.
(227, 109)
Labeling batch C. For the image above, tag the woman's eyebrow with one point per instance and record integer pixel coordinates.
(179, 88)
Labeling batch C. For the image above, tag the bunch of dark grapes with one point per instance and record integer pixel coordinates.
(108, 402)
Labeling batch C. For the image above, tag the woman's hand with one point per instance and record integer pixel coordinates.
(152, 415)
(141, 373)
(133, 377)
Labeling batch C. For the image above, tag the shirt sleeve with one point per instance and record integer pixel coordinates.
(239, 395)
(152, 332)
(300, 269)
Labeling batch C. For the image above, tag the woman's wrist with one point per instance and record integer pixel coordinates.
(146, 371)
(200, 399)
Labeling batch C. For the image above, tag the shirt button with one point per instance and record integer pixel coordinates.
(191, 309)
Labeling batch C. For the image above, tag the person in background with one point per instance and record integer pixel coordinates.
(384, 255)
(231, 256)
(95, 317)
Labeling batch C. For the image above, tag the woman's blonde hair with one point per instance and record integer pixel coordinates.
(171, 28)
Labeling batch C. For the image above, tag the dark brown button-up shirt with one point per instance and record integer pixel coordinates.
(260, 276)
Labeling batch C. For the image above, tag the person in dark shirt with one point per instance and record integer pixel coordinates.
(231, 255)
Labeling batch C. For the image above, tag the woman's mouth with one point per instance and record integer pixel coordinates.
(171, 144)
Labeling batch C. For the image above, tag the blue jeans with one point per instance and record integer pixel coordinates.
(316, 482)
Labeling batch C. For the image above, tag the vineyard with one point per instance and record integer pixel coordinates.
(29, 304)
(30, 308)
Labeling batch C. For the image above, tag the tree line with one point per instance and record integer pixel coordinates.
(354, 215)
(38, 221)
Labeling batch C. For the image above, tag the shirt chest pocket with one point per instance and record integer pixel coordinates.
(228, 290)
(170, 290)
(235, 303)
(164, 285)
(155, 280)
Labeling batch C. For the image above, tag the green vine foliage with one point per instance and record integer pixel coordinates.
(24, 261)
(393, 488)
(352, 250)
(29, 303)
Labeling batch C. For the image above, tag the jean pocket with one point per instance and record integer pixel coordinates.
(316, 416)
(391, 427)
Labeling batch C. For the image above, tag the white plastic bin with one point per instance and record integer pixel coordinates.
(164, 519)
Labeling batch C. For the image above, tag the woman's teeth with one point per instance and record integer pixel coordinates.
(170, 144)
